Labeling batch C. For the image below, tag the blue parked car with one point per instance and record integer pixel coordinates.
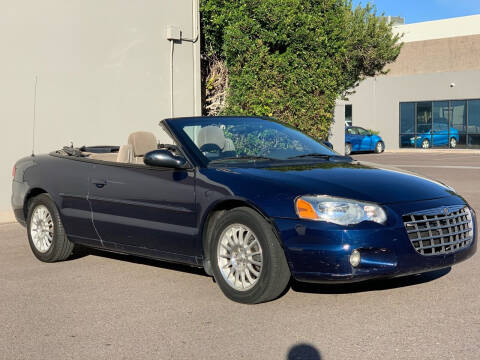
(438, 136)
(359, 139)
(252, 201)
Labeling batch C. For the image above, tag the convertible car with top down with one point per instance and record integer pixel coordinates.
(252, 201)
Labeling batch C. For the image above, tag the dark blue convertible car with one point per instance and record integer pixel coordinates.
(250, 200)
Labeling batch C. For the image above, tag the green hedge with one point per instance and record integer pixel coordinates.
(292, 59)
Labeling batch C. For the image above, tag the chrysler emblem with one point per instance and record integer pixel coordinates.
(445, 211)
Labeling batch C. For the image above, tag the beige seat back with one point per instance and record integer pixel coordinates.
(141, 142)
(211, 135)
(125, 154)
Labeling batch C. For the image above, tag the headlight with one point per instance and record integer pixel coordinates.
(338, 210)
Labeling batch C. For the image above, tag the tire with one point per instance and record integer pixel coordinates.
(263, 246)
(453, 143)
(425, 144)
(348, 149)
(55, 245)
(379, 147)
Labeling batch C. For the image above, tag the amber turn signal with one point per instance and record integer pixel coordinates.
(305, 210)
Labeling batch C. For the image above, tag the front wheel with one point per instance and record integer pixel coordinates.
(46, 234)
(348, 149)
(248, 262)
(425, 144)
(453, 143)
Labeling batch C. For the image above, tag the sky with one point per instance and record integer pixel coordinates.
(424, 10)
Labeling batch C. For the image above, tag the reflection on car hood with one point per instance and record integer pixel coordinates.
(355, 180)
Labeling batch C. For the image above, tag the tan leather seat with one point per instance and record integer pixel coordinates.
(112, 157)
(141, 142)
(211, 137)
(125, 154)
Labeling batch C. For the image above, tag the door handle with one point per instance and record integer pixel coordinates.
(99, 183)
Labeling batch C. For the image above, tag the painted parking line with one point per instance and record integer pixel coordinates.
(440, 166)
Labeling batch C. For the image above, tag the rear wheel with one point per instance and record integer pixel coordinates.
(348, 149)
(425, 144)
(46, 234)
(453, 143)
(379, 147)
(248, 262)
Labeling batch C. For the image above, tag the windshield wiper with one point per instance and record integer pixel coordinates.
(240, 158)
(312, 155)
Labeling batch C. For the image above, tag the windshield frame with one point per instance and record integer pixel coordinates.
(176, 125)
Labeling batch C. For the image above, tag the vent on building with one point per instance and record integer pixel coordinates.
(394, 20)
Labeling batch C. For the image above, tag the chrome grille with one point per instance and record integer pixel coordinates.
(440, 231)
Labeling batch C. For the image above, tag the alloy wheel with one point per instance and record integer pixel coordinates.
(425, 144)
(453, 143)
(348, 149)
(240, 257)
(42, 229)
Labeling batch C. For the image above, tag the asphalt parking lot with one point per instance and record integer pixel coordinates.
(105, 306)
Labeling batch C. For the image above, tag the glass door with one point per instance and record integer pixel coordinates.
(424, 125)
(458, 123)
(473, 121)
(440, 130)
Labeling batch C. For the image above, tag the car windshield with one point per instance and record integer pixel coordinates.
(234, 139)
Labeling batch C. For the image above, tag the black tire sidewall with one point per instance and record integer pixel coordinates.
(265, 236)
(58, 232)
(381, 147)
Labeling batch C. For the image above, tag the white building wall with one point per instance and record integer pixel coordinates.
(439, 29)
(103, 71)
(376, 103)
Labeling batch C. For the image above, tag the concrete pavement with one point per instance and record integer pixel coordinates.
(106, 306)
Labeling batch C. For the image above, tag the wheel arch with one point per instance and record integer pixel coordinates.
(214, 213)
(30, 195)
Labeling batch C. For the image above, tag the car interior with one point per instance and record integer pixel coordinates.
(213, 144)
(138, 144)
(210, 140)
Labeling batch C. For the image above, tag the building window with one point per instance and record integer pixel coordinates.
(427, 124)
(348, 115)
(473, 128)
(407, 124)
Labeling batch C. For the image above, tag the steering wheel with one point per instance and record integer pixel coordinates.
(211, 148)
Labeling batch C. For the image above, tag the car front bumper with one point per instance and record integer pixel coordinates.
(320, 252)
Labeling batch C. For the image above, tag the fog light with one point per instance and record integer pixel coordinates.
(355, 258)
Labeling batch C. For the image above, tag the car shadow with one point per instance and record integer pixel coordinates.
(81, 252)
(363, 286)
(369, 285)
(303, 351)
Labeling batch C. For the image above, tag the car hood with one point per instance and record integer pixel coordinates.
(353, 180)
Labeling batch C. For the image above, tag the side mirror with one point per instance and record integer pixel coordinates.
(164, 158)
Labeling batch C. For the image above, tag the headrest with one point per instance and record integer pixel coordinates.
(211, 135)
(142, 142)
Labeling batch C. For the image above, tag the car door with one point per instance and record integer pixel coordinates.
(351, 136)
(440, 134)
(145, 209)
(69, 181)
(365, 139)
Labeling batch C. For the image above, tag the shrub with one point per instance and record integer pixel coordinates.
(292, 59)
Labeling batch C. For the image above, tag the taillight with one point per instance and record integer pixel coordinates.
(14, 171)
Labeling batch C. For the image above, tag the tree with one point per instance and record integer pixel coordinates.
(292, 59)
